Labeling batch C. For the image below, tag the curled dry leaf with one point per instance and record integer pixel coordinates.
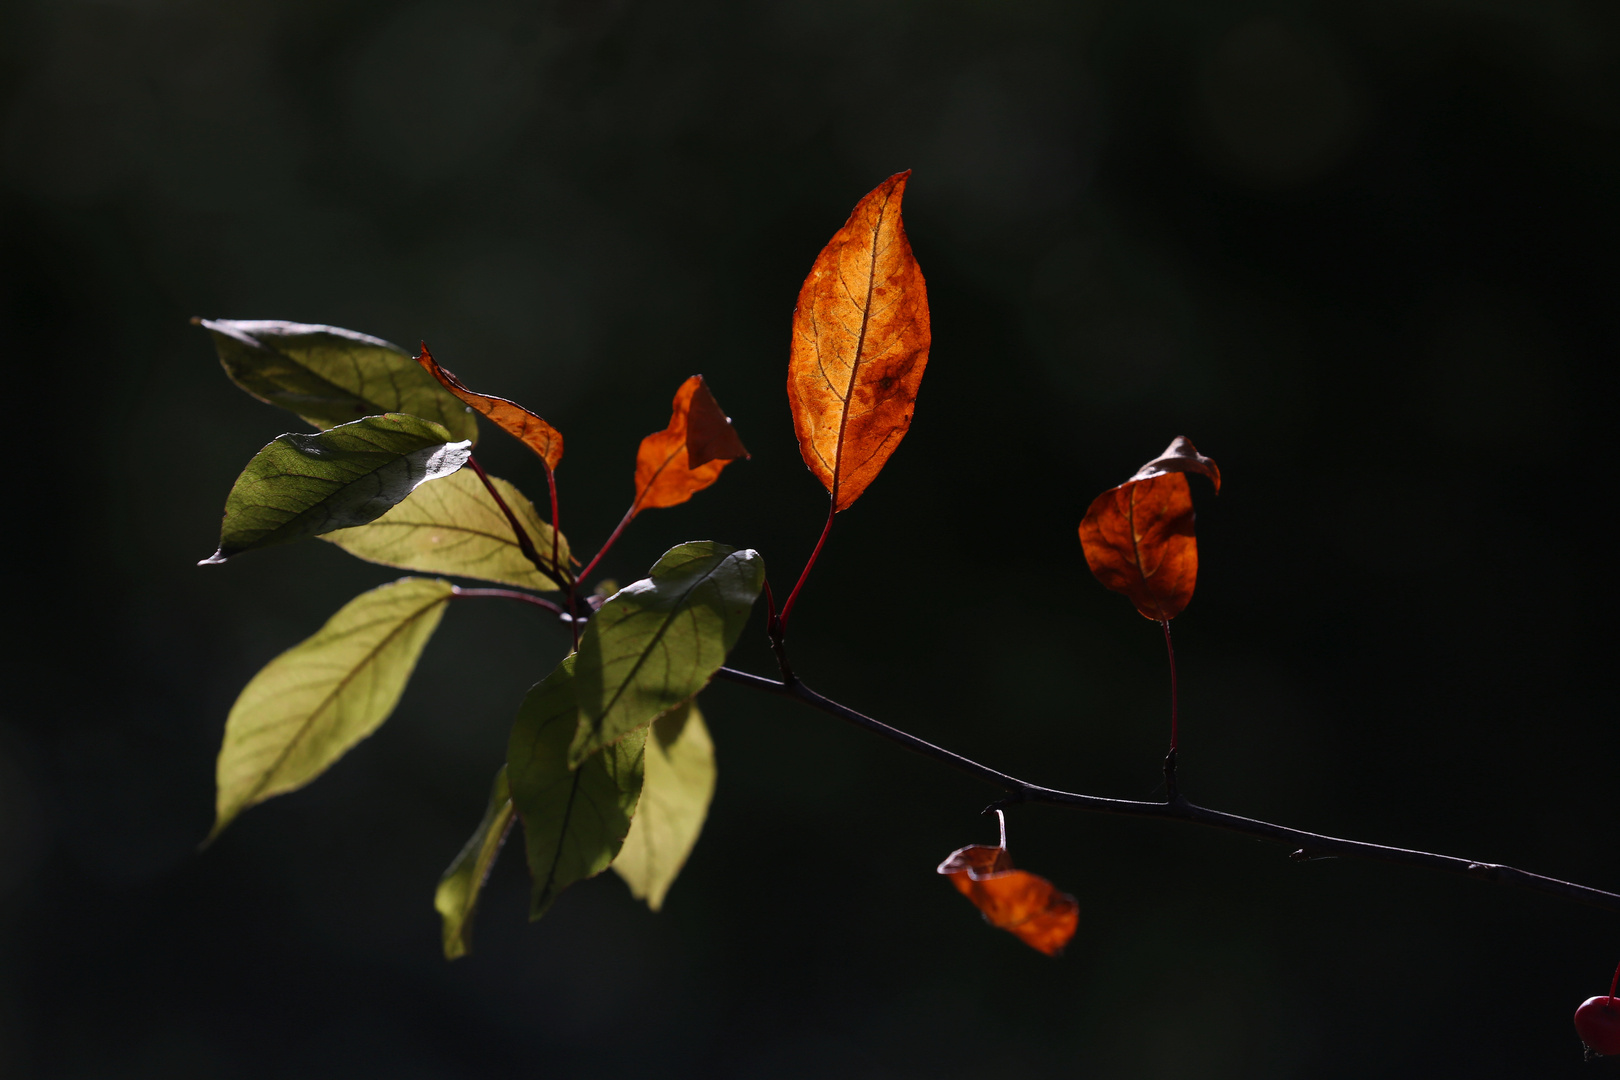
(1139, 539)
(687, 456)
(860, 343)
(509, 416)
(1024, 904)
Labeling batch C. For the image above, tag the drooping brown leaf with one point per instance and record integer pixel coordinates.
(1024, 904)
(687, 456)
(860, 343)
(509, 416)
(1139, 539)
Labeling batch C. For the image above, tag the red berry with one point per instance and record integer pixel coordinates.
(1597, 1022)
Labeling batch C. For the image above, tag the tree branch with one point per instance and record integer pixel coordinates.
(1308, 845)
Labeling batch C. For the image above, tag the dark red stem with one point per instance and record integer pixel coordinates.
(1614, 983)
(556, 526)
(780, 630)
(1171, 791)
(524, 542)
(508, 594)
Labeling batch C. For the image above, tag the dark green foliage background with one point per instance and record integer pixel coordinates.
(1362, 253)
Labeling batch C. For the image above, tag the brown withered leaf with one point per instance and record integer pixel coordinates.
(1181, 456)
(1139, 538)
(687, 456)
(509, 416)
(860, 344)
(1024, 904)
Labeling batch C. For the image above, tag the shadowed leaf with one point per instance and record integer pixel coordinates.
(687, 456)
(659, 640)
(330, 376)
(509, 416)
(1138, 537)
(674, 801)
(860, 343)
(454, 527)
(574, 820)
(1024, 904)
(309, 705)
(305, 485)
(457, 897)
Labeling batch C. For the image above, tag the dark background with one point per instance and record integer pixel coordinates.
(1361, 253)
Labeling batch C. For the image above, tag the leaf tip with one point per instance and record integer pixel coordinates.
(216, 559)
(195, 320)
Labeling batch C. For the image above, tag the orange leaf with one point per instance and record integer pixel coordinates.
(860, 343)
(687, 456)
(509, 416)
(1024, 904)
(1138, 537)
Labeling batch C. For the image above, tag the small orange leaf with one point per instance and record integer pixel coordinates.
(860, 343)
(1139, 539)
(687, 456)
(1024, 904)
(509, 416)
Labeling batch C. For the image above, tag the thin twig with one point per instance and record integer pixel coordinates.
(1307, 844)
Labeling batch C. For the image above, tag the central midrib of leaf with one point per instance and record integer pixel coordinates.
(343, 683)
(663, 626)
(562, 833)
(1136, 548)
(860, 343)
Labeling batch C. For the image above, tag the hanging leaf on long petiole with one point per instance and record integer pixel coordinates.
(1025, 905)
(674, 464)
(512, 418)
(860, 344)
(1138, 537)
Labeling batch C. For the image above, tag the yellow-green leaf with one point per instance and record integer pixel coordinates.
(329, 376)
(452, 526)
(309, 705)
(658, 641)
(304, 485)
(574, 820)
(457, 897)
(675, 798)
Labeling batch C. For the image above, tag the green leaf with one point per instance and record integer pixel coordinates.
(457, 897)
(674, 801)
(658, 641)
(309, 705)
(454, 527)
(330, 376)
(574, 820)
(304, 485)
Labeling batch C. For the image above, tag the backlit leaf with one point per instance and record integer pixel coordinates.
(674, 801)
(659, 640)
(687, 456)
(309, 705)
(457, 897)
(860, 343)
(1024, 904)
(574, 820)
(509, 416)
(304, 485)
(452, 526)
(1139, 539)
(330, 376)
